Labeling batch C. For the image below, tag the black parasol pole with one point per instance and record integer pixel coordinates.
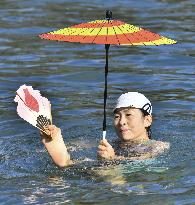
(105, 90)
(107, 46)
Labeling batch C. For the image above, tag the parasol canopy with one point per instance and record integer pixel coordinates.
(108, 32)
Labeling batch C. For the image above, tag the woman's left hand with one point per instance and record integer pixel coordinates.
(105, 150)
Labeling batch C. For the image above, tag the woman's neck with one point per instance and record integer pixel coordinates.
(137, 140)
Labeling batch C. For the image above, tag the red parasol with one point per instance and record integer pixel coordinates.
(107, 32)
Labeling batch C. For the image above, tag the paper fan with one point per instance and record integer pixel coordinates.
(32, 107)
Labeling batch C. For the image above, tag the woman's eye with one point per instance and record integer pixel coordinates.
(128, 114)
(116, 116)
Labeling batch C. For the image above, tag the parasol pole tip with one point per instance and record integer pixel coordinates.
(108, 14)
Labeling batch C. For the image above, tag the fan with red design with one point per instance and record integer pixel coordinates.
(32, 107)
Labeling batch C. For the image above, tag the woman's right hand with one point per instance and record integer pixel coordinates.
(51, 132)
(54, 143)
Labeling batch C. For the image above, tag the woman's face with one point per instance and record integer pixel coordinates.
(130, 124)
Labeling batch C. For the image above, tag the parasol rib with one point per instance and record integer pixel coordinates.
(98, 32)
(127, 36)
(144, 37)
(115, 33)
(92, 31)
(147, 39)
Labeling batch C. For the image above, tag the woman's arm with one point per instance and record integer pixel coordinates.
(54, 143)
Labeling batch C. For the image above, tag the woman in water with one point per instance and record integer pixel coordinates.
(132, 121)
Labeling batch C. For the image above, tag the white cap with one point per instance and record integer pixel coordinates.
(135, 100)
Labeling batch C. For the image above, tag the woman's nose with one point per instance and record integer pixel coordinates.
(122, 120)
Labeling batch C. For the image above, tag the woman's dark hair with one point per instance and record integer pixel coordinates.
(148, 129)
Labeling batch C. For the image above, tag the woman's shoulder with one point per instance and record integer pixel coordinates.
(159, 146)
(165, 145)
